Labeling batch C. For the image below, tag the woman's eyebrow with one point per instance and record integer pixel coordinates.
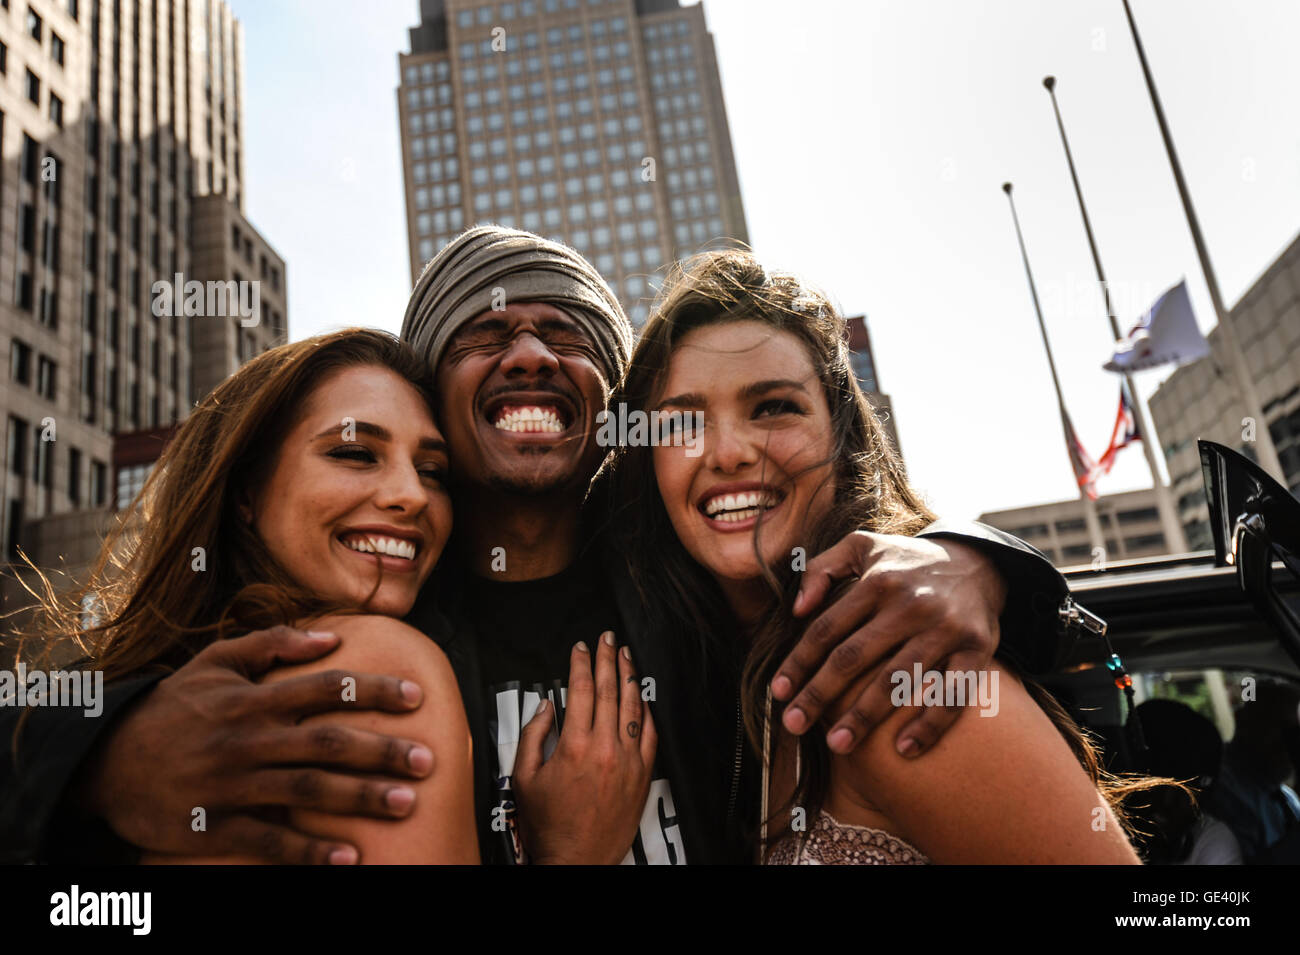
(688, 399)
(383, 434)
(362, 427)
(771, 384)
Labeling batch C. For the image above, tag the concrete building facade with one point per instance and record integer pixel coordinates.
(1129, 521)
(599, 123)
(1200, 401)
(121, 130)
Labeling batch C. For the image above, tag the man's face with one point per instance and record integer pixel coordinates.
(518, 394)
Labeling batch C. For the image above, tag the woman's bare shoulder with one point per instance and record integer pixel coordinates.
(1001, 785)
(379, 644)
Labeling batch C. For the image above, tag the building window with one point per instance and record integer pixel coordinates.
(74, 477)
(98, 483)
(20, 362)
(56, 110)
(25, 296)
(46, 375)
(33, 88)
(17, 446)
(33, 25)
(30, 159)
(130, 480)
(56, 48)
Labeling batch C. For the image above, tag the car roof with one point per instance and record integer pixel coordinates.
(1179, 611)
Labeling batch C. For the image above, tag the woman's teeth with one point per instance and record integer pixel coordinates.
(388, 546)
(731, 508)
(530, 419)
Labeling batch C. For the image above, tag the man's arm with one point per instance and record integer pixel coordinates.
(1031, 633)
(211, 736)
(940, 599)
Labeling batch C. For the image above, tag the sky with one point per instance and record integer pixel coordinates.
(872, 139)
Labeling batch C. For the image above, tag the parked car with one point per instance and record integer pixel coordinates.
(1206, 629)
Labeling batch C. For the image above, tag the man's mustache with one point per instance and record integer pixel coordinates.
(533, 387)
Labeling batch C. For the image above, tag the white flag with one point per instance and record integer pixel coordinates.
(1166, 334)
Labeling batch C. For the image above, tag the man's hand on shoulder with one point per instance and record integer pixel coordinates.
(911, 600)
(211, 737)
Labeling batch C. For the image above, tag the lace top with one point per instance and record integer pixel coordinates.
(830, 842)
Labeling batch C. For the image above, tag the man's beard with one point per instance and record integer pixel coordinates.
(536, 483)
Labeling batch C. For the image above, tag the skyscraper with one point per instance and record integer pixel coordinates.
(122, 127)
(864, 367)
(596, 122)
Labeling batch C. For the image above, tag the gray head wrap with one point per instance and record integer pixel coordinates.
(459, 284)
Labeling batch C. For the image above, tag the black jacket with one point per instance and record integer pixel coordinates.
(697, 736)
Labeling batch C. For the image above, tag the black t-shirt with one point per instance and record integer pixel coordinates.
(525, 632)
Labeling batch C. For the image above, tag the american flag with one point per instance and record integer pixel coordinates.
(1124, 433)
(1084, 467)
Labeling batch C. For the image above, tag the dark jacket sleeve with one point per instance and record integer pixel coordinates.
(37, 768)
(1033, 635)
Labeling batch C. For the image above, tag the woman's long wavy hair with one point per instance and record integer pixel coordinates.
(148, 603)
(871, 492)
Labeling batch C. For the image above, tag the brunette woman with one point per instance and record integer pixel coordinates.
(790, 459)
(305, 490)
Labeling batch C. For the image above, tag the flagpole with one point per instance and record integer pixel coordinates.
(1265, 449)
(1175, 539)
(1089, 506)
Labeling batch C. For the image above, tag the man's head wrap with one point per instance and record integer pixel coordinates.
(460, 283)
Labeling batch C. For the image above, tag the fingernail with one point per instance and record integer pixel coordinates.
(400, 798)
(410, 691)
(608, 637)
(581, 646)
(541, 707)
(420, 759)
(795, 720)
(343, 856)
(909, 747)
(320, 635)
(798, 602)
(627, 654)
(840, 741)
(782, 687)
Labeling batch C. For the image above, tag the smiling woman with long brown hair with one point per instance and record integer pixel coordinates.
(791, 458)
(306, 490)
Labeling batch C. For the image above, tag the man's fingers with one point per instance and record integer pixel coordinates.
(255, 653)
(823, 635)
(280, 844)
(331, 690)
(848, 558)
(310, 788)
(359, 751)
(605, 720)
(847, 663)
(874, 703)
(921, 733)
(578, 701)
(528, 757)
(630, 711)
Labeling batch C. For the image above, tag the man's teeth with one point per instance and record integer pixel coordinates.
(388, 546)
(730, 508)
(529, 419)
